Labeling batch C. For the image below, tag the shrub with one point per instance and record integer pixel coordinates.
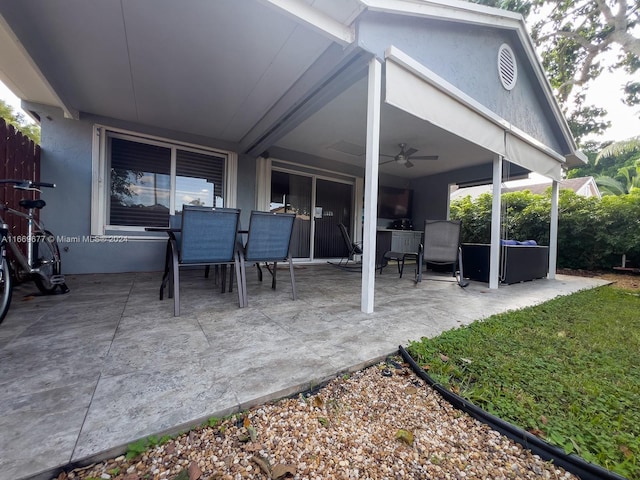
(592, 233)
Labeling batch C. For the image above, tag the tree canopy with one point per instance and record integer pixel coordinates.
(574, 38)
(616, 168)
(31, 130)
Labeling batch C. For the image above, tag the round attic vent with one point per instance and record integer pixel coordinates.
(507, 68)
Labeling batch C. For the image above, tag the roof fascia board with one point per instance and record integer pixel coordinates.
(529, 48)
(16, 45)
(412, 65)
(467, 12)
(317, 20)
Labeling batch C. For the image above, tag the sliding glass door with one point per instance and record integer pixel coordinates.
(333, 206)
(320, 204)
(292, 194)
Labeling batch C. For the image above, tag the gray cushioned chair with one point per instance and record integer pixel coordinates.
(441, 246)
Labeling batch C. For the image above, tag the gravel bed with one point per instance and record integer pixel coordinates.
(379, 423)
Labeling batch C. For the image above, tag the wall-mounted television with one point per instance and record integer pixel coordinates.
(395, 203)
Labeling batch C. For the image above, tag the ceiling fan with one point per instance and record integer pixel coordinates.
(404, 157)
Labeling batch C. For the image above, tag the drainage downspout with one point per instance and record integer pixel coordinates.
(572, 463)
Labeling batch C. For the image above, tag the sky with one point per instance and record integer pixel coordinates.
(606, 92)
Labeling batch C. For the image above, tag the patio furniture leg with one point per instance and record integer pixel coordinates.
(404, 257)
(273, 275)
(420, 260)
(239, 275)
(165, 275)
(172, 255)
(243, 281)
(461, 280)
(176, 286)
(293, 279)
(223, 275)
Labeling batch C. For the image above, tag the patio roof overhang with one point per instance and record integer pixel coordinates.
(415, 89)
(233, 71)
(303, 87)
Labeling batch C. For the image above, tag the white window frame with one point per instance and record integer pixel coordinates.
(100, 177)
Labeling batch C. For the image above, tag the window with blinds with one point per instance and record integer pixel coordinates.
(140, 183)
(199, 180)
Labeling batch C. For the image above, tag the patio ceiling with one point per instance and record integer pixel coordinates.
(338, 132)
(228, 70)
(214, 69)
(123, 60)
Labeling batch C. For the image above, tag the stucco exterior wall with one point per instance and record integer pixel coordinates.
(466, 56)
(67, 162)
(431, 194)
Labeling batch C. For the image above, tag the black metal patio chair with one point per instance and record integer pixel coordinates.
(352, 249)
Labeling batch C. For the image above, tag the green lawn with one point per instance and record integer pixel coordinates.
(567, 371)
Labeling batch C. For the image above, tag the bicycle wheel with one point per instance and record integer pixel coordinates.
(46, 258)
(5, 288)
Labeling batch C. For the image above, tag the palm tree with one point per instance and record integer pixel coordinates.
(629, 145)
(627, 179)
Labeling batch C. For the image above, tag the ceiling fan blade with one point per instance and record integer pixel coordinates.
(388, 161)
(425, 157)
(388, 156)
(408, 164)
(410, 152)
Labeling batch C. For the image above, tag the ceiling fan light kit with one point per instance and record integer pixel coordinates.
(404, 157)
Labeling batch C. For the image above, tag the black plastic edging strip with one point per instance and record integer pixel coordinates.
(572, 463)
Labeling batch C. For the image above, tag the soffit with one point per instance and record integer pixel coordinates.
(207, 68)
(338, 132)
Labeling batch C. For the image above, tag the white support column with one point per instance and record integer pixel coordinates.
(371, 186)
(494, 262)
(358, 209)
(553, 230)
(263, 183)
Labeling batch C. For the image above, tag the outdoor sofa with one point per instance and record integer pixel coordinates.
(519, 261)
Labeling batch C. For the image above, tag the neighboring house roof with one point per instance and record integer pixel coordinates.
(584, 186)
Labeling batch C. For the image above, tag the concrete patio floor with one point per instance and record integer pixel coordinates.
(84, 374)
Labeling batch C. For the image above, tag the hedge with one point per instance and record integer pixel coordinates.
(592, 233)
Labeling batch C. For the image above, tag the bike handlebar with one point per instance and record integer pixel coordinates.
(25, 184)
(43, 184)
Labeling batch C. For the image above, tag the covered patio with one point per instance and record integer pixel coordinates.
(247, 91)
(84, 374)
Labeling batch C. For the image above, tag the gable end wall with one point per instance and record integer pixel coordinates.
(466, 56)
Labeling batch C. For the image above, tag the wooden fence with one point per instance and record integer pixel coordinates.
(19, 160)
